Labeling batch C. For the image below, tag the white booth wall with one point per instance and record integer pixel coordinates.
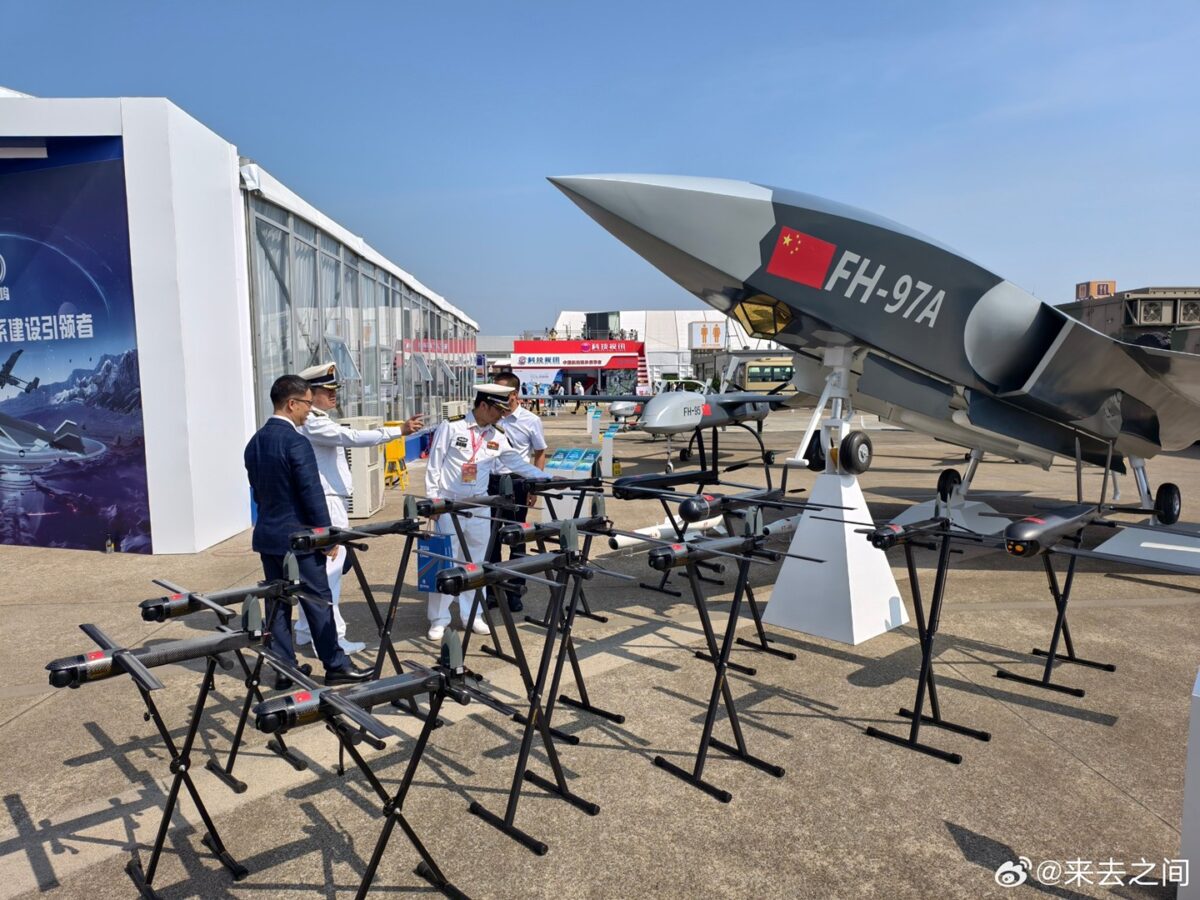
(191, 304)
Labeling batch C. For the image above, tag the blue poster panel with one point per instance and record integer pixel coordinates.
(72, 448)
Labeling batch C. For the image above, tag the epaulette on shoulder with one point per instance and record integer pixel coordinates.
(455, 418)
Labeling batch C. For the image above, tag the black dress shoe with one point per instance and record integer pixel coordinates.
(516, 606)
(283, 683)
(348, 676)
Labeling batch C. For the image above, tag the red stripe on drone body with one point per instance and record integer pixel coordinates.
(801, 258)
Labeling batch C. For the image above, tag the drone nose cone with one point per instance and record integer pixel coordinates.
(703, 232)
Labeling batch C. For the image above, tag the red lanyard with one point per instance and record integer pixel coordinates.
(475, 445)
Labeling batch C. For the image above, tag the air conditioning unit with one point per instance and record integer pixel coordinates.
(1189, 312)
(366, 471)
(1155, 312)
(452, 408)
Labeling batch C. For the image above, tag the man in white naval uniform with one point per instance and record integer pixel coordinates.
(524, 431)
(329, 440)
(462, 457)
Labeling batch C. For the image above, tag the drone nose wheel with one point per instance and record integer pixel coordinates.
(1168, 503)
(947, 481)
(856, 452)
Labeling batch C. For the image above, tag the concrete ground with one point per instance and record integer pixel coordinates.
(1096, 781)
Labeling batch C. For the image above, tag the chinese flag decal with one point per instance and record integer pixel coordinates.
(801, 257)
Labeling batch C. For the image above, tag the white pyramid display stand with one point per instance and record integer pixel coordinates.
(850, 597)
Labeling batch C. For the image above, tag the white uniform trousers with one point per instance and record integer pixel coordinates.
(477, 530)
(333, 570)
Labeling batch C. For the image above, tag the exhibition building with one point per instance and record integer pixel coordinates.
(153, 283)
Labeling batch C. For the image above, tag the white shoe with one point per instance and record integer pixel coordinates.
(351, 647)
(436, 632)
(479, 626)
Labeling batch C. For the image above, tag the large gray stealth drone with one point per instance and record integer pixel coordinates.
(941, 345)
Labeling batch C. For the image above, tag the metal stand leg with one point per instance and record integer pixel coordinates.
(477, 605)
(386, 622)
(710, 637)
(763, 643)
(925, 680)
(720, 691)
(536, 719)
(393, 806)
(276, 745)
(661, 587)
(1061, 630)
(585, 609)
(181, 759)
(566, 651)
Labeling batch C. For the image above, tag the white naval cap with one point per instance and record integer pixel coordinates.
(495, 394)
(323, 375)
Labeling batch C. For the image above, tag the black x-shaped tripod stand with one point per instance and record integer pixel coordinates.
(930, 534)
(113, 660)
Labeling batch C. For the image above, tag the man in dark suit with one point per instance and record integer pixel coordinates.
(287, 487)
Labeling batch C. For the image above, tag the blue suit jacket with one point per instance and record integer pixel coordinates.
(287, 487)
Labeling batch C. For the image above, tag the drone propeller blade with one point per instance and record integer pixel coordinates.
(138, 672)
(283, 667)
(359, 716)
(224, 613)
(611, 573)
(102, 640)
(846, 522)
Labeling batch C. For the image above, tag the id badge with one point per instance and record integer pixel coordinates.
(469, 471)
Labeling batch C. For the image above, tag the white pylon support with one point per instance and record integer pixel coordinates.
(852, 595)
(1145, 495)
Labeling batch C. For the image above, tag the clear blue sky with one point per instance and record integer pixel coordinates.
(1052, 142)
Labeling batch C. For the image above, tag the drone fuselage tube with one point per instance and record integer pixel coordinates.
(1035, 535)
(474, 576)
(96, 665)
(280, 714)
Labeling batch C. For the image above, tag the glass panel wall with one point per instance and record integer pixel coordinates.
(273, 330)
(308, 307)
(314, 299)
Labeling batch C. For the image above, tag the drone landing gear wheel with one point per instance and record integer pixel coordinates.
(685, 454)
(947, 481)
(1168, 503)
(856, 452)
